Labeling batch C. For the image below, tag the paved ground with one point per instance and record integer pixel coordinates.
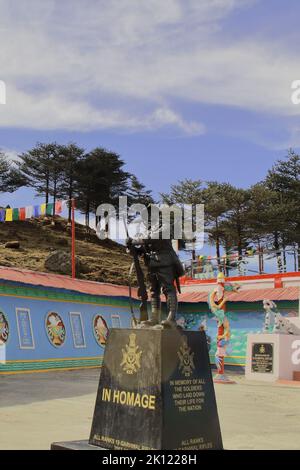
(37, 409)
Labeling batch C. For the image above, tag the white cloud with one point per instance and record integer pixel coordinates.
(165, 116)
(124, 64)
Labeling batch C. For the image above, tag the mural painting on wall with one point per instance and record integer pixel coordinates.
(4, 329)
(243, 323)
(100, 330)
(55, 328)
(189, 321)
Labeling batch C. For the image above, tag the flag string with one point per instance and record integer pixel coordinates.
(13, 214)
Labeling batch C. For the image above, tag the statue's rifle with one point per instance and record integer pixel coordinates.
(142, 290)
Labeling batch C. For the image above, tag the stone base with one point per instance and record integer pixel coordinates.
(74, 445)
(156, 393)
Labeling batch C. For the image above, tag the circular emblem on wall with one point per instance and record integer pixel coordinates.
(100, 330)
(4, 329)
(55, 329)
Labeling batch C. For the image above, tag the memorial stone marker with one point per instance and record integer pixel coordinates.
(155, 392)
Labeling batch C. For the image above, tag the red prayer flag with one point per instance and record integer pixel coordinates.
(22, 215)
(58, 207)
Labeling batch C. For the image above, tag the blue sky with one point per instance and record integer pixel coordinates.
(179, 88)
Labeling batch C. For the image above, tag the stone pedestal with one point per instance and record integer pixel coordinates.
(155, 392)
(272, 356)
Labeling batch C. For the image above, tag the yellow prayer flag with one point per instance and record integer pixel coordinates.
(8, 215)
(43, 209)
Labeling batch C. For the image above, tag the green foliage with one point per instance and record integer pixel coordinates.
(186, 192)
(100, 178)
(10, 178)
(67, 171)
(266, 215)
(137, 192)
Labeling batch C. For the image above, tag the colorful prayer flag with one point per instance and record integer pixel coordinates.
(43, 209)
(8, 215)
(58, 207)
(36, 211)
(28, 212)
(22, 213)
(49, 209)
(15, 214)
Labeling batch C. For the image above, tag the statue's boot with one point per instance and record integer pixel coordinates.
(170, 321)
(155, 315)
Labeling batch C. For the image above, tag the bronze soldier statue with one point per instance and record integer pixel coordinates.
(164, 270)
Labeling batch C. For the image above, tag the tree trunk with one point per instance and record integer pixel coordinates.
(284, 259)
(260, 264)
(278, 253)
(227, 267)
(295, 259)
(70, 194)
(47, 190)
(87, 217)
(218, 253)
(54, 196)
(218, 247)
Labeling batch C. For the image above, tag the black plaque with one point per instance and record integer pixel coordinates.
(156, 392)
(262, 357)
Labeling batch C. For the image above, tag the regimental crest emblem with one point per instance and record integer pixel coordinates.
(262, 349)
(131, 361)
(186, 358)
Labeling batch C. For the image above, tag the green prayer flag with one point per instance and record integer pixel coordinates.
(49, 209)
(15, 214)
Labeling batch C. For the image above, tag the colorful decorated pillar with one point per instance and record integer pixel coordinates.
(217, 304)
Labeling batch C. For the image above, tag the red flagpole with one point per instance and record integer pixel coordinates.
(73, 239)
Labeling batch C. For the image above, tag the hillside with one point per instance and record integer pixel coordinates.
(104, 261)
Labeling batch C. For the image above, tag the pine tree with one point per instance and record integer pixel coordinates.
(70, 156)
(235, 221)
(186, 192)
(100, 178)
(137, 192)
(39, 167)
(216, 205)
(10, 178)
(284, 180)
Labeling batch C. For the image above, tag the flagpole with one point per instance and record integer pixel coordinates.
(73, 239)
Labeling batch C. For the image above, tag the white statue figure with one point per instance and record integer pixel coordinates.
(275, 322)
(208, 271)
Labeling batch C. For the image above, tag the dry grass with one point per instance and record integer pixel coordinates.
(104, 261)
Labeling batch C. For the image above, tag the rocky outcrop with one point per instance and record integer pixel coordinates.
(60, 262)
(13, 244)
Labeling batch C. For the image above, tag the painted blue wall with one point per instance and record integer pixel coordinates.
(43, 347)
(241, 322)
